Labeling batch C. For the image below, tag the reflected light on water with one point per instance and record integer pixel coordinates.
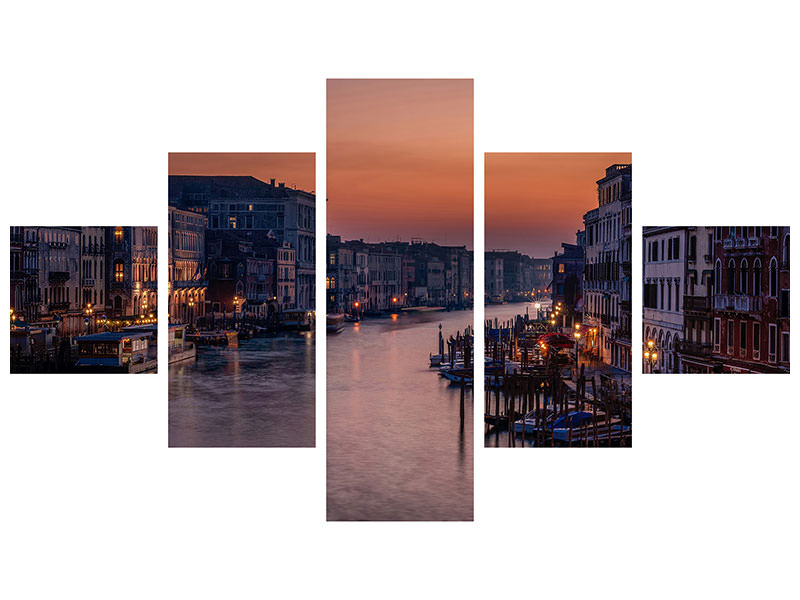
(395, 449)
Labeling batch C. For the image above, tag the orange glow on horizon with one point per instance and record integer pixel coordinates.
(292, 168)
(400, 159)
(536, 201)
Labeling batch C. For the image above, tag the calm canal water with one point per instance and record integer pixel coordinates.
(395, 449)
(260, 394)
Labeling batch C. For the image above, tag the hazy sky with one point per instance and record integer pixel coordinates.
(400, 159)
(292, 168)
(536, 201)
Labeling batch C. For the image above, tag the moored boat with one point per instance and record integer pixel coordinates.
(457, 375)
(334, 323)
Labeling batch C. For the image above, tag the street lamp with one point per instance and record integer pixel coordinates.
(651, 354)
(88, 312)
(577, 339)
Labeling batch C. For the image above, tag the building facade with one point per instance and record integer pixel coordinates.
(59, 273)
(93, 268)
(695, 347)
(751, 299)
(607, 276)
(259, 208)
(664, 272)
(566, 287)
(186, 276)
(25, 291)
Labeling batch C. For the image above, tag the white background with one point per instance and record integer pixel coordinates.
(95, 95)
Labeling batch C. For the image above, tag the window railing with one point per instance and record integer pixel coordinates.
(737, 302)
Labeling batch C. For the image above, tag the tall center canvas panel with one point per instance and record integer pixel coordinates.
(399, 299)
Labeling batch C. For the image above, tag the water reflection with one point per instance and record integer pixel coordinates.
(260, 394)
(395, 451)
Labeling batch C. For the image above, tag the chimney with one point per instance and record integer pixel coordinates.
(281, 185)
(272, 182)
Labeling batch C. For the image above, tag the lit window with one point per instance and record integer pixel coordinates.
(119, 272)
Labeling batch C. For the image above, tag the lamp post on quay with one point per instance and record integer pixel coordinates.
(651, 355)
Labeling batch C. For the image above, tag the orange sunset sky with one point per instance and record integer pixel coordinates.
(536, 201)
(400, 159)
(292, 168)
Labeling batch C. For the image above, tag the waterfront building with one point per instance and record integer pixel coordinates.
(494, 283)
(249, 204)
(392, 275)
(286, 263)
(607, 273)
(567, 284)
(664, 271)
(347, 275)
(144, 259)
(132, 276)
(384, 280)
(93, 275)
(59, 274)
(186, 274)
(751, 299)
(695, 347)
(25, 291)
(541, 275)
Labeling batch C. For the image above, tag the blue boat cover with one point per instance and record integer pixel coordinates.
(576, 419)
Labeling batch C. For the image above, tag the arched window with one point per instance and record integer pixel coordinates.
(731, 276)
(786, 252)
(757, 277)
(119, 270)
(718, 277)
(773, 277)
(744, 273)
(668, 350)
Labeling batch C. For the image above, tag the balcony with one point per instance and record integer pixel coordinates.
(727, 243)
(754, 242)
(741, 243)
(697, 304)
(88, 282)
(58, 276)
(737, 303)
(696, 348)
(58, 306)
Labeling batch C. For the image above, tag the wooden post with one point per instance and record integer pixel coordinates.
(463, 388)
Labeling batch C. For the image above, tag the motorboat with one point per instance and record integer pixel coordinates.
(334, 323)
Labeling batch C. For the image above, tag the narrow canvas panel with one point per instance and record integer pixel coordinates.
(84, 299)
(715, 299)
(558, 300)
(399, 299)
(241, 299)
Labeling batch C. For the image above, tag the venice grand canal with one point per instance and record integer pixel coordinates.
(260, 394)
(395, 448)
